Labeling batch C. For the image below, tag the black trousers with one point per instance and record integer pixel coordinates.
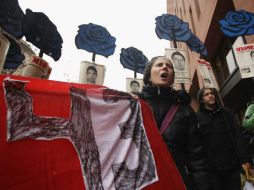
(226, 180)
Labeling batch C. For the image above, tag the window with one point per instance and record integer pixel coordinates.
(219, 63)
(184, 10)
(197, 8)
(192, 22)
(181, 13)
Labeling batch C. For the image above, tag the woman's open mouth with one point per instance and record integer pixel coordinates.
(164, 75)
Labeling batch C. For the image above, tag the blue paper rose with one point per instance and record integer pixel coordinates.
(10, 17)
(171, 27)
(196, 45)
(133, 59)
(95, 39)
(41, 32)
(237, 23)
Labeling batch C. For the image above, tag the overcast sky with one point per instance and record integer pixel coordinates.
(131, 22)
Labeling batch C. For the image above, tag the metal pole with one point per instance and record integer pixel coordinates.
(93, 58)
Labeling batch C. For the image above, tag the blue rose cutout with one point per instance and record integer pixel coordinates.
(170, 27)
(133, 59)
(41, 32)
(95, 39)
(196, 45)
(10, 17)
(237, 23)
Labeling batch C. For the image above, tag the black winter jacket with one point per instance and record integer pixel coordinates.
(223, 143)
(181, 136)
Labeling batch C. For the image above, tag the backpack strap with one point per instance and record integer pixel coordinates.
(168, 118)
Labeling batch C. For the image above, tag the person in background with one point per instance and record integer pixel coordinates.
(180, 134)
(134, 86)
(224, 145)
(91, 75)
(248, 124)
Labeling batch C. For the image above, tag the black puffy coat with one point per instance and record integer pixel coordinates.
(180, 137)
(224, 144)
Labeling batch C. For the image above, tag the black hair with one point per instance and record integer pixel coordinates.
(177, 53)
(91, 68)
(134, 81)
(200, 95)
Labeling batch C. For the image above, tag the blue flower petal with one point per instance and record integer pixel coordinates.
(95, 39)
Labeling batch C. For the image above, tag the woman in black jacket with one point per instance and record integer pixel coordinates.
(180, 136)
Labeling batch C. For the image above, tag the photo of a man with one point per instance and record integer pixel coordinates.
(178, 61)
(134, 86)
(91, 75)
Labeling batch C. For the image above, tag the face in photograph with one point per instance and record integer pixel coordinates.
(91, 75)
(134, 86)
(178, 61)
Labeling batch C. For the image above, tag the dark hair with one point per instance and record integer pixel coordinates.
(132, 82)
(177, 53)
(147, 71)
(200, 95)
(91, 68)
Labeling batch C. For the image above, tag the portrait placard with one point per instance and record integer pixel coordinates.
(178, 57)
(134, 85)
(91, 73)
(34, 66)
(244, 55)
(207, 74)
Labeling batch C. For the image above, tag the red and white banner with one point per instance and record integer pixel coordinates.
(104, 135)
(244, 55)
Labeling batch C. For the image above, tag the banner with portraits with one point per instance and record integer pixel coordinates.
(134, 85)
(91, 73)
(181, 64)
(207, 74)
(244, 55)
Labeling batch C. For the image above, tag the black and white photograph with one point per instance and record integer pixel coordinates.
(244, 55)
(180, 62)
(91, 73)
(207, 74)
(134, 85)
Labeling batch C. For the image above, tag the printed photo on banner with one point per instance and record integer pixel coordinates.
(244, 55)
(180, 63)
(207, 74)
(134, 85)
(91, 73)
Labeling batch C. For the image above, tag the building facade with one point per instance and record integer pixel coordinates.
(203, 17)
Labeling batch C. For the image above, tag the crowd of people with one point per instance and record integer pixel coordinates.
(208, 146)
